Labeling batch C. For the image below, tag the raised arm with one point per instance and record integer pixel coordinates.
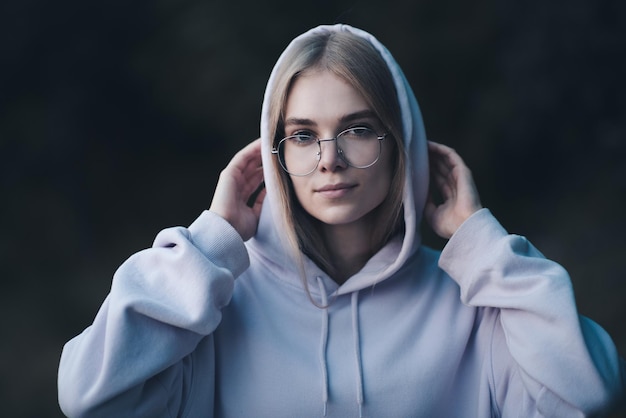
(545, 359)
(156, 324)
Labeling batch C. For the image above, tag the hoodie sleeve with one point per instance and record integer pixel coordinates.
(136, 359)
(545, 359)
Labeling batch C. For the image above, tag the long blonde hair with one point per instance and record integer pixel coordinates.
(356, 61)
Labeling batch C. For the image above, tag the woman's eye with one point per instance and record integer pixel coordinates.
(303, 138)
(359, 131)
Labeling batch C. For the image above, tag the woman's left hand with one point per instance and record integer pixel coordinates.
(454, 182)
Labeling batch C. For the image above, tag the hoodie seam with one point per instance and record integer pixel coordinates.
(272, 275)
(166, 393)
(192, 380)
(492, 379)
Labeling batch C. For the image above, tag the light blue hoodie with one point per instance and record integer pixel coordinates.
(203, 324)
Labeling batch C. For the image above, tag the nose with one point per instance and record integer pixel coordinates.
(330, 160)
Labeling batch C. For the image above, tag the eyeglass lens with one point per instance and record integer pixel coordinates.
(300, 154)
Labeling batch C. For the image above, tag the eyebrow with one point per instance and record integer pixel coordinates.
(363, 114)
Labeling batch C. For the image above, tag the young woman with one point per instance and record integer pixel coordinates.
(314, 296)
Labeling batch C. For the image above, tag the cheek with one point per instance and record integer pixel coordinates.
(381, 178)
(380, 185)
(299, 186)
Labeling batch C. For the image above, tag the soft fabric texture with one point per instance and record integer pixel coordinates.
(203, 324)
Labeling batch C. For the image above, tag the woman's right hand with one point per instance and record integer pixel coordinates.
(236, 184)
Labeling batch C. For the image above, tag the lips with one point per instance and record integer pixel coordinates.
(335, 190)
(339, 186)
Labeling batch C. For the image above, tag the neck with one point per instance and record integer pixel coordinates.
(350, 247)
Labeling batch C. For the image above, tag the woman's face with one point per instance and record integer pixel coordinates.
(335, 193)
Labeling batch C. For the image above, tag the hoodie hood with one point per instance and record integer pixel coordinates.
(269, 239)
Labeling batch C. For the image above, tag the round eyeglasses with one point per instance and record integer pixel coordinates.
(300, 154)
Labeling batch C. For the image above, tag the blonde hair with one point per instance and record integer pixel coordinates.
(356, 61)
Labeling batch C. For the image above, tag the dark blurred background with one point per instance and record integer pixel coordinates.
(116, 118)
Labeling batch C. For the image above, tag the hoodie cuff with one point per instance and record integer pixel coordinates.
(220, 242)
(471, 243)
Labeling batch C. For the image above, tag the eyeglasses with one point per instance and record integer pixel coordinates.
(300, 154)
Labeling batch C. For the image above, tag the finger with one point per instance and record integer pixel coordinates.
(446, 155)
(440, 171)
(253, 160)
(252, 148)
(429, 209)
(251, 191)
(441, 177)
(250, 181)
(258, 202)
(445, 189)
(461, 179)
(246, 168)
(248, 158)
(449, 163)
(438, 159)
(439, 148)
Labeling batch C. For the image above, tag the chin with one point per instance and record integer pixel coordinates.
(339, 217)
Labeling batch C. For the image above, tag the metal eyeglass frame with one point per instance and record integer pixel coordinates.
(319, 152)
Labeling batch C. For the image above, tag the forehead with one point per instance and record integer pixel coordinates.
(322, 96)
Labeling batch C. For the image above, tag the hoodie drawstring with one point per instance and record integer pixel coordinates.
(324, 343)
(357, 351)
(357, 347)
